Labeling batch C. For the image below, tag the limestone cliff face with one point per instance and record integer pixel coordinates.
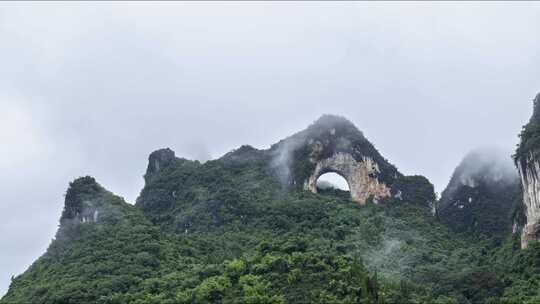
(333, 144)
(529, 170)
(527, 160)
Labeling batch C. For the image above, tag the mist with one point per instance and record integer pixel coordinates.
(94, 88)
(489, 164)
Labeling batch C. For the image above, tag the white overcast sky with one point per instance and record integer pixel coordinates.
(93, 88)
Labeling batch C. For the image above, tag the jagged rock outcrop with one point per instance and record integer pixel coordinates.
(158, 160)
(527, 160)
(334, 144)
(82, 201)
(88, 203)
(482, 195)
(160, 163)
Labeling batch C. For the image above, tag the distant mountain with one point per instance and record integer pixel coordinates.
(483, 195)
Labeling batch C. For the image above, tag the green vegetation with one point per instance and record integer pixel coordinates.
(465, 209)
(530, 135)
(227, 231)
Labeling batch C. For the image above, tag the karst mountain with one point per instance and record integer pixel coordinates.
(253, 227)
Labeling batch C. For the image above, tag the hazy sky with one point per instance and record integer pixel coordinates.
(93, 88)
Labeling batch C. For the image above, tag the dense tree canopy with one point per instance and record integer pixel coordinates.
(227, 231)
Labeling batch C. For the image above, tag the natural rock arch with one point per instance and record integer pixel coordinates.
(360, 176)
(334, 144)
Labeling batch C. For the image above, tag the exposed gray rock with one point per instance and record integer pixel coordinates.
(527, 160)
(530, 181)
(158, 160)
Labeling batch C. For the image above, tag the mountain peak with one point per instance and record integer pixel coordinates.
(487, 164)
(88, 203)
(333, 144)
(158, 160)
(335, 125)
(80, 192)
(482, 193)
(332, 120)
(529, 146)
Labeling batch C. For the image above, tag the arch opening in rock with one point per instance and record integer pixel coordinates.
(361, 176)
(332, 180)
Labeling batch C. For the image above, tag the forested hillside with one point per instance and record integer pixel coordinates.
(228, 231)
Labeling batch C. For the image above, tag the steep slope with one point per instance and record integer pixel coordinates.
(483, 195)
(527, 160)
(103, 247)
